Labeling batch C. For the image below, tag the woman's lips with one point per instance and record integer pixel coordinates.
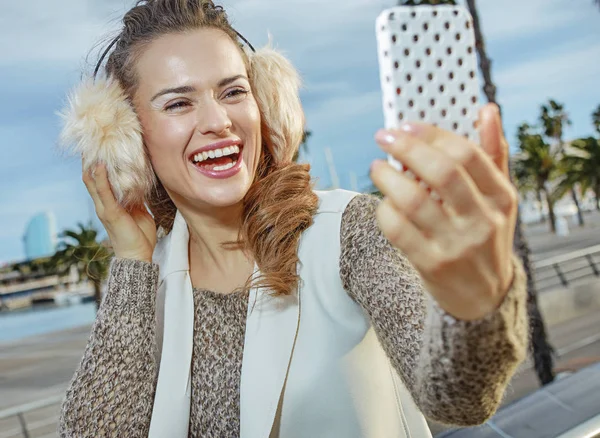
(221, 174)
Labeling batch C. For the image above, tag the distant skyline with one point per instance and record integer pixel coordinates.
(541, 49)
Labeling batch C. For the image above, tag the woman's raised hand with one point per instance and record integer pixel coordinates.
(462, 245)
(132, 233)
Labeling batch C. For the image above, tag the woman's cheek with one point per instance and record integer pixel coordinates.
(171, 136)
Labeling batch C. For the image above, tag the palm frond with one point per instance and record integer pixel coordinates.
(81, 249)
(596, 114)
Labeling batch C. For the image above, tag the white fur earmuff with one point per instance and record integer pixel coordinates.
(101, 125)
(276, 84)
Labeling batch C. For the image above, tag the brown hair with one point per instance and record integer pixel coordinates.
(281, 203)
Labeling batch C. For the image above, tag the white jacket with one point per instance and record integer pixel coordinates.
(312, 366)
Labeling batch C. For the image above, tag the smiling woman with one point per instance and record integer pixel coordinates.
(241, 302)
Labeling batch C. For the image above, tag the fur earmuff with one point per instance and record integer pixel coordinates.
(276, 84)
(101, 125)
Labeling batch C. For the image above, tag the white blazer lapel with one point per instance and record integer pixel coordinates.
(175, 330)
(271, 331)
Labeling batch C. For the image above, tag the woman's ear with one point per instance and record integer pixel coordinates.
(275, 84)
(101, 125)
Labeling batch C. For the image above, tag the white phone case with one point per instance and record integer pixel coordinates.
(428, 68)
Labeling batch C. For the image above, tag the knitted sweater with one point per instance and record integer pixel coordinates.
(456, 371)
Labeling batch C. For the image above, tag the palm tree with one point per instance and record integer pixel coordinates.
(81, 249)
(526, 183)
(554, 118)
(540, 347)
(583, 162)
(538, 163)
(569, 177)
(596, 116)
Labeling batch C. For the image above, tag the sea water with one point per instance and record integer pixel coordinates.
(38, 320)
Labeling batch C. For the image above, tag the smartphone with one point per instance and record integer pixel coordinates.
(428, 68)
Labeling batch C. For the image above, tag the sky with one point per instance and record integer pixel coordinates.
(540, 49)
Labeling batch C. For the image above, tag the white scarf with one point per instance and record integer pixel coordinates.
(271, 330)
(175, 315)
(175, 338)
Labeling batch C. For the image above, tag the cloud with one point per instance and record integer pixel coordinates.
(345, 107)
(27, 151)
(567, 73)
(540, 47)
(516, 19)
(574, 65)
(53, 33)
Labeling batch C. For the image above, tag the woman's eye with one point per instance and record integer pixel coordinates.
(176, 106)
(236, 92)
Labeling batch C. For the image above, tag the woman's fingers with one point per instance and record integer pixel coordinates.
(409, 197)
(495, 146)
(434, 167)
(402, 233)
(90, 185)
(98, 185)
(103, 186)
(132, 235)
(480, 167)
(492, 137)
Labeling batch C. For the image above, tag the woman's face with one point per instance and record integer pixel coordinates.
(200, 121)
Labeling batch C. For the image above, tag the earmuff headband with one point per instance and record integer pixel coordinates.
(113, 42)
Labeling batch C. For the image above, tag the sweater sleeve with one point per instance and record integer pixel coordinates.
(456, 371)
(112, 391)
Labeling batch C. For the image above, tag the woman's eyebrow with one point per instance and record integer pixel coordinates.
(227, 81)
(177, 90)
(189, 89)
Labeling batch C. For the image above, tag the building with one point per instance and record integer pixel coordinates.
(40, 236)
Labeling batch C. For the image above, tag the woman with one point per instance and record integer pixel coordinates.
(267, 308)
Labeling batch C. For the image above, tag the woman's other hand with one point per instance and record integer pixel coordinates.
(132, 233)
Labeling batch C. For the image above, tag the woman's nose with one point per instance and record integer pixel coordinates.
(213, 118)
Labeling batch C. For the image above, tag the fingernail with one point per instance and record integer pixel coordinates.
(411, 129)
(384, 137)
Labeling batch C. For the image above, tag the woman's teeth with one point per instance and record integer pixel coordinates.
(225, 166)
(216, 153)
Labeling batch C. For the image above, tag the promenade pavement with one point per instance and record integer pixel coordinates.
(39, 367)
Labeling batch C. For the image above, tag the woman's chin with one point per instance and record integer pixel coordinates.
(224, 193)
(223, 201)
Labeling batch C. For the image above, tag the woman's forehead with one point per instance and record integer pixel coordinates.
(203, 56)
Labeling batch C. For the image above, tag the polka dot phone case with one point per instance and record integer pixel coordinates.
(428, 68)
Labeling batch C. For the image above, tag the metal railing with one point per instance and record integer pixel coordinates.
(568, 269)
(25, 428)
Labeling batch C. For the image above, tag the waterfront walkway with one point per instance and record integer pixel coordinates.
(37, 368)
(41, 367)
